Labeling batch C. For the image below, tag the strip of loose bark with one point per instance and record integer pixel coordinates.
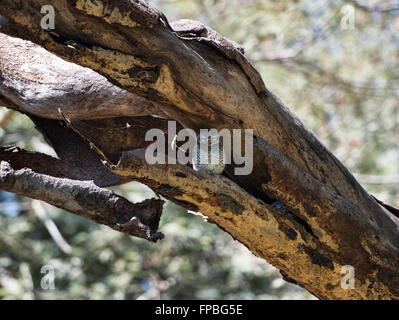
(72, 149)
(38, 82)
(85, 199)
(40, 163)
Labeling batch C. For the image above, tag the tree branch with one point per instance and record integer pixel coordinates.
(314, 229)
(51, 227)
(36, 81)
(376, 8)
(85, 199)
(143, 55)
(301, 209)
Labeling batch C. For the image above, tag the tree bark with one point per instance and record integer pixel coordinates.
(323, 218)
(87, 200)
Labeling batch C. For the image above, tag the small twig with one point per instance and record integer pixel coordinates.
(41, 213)
(376, 8)
(6, 116)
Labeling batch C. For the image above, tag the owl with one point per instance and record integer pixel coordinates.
(208, 154)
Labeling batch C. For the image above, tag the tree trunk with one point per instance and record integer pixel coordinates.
(187, 72)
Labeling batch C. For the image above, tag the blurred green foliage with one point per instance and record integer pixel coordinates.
(342, 83)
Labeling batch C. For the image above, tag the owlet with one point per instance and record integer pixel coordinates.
(208, 154)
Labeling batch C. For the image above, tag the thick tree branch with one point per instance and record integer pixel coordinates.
(315, 230)
(301, 209)
(37, 81)
(85, 199)
(138, 51)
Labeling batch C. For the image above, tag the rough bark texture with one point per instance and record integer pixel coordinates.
(324, 219)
